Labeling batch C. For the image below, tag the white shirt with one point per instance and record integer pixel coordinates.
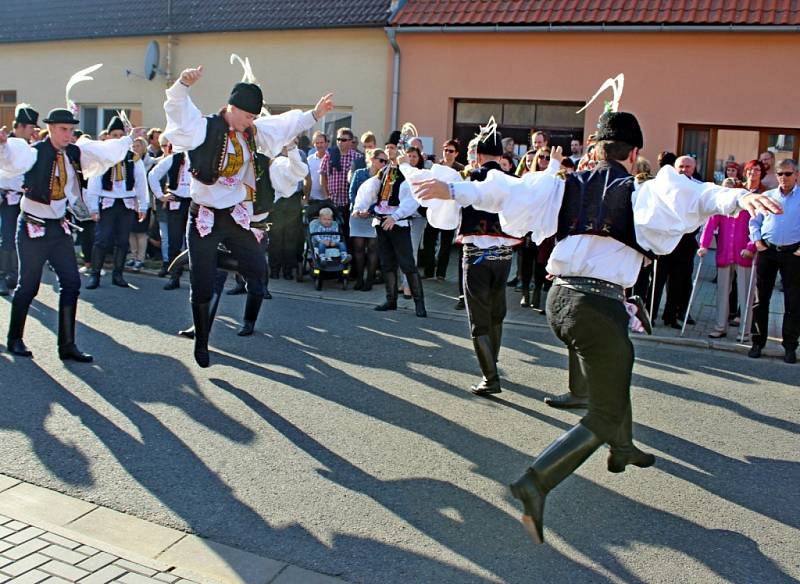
(94, 189)
(186, 130)
(160, 171)
(314, 162)
(17, 157)
(664, 209)
(368, 194)
(285, 172)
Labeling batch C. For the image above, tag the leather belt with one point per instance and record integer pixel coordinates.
(592, 286)
(194, 209)
(496, 252)
(792, 247)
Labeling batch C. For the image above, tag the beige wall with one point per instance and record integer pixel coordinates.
(293, 68)
(670, 78)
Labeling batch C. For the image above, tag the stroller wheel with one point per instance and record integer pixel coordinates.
(318, 284)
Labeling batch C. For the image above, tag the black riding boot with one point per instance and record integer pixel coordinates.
(484, 350)
(202, 326)
(16, 328)
(239, 288)
(98, 257)
(215, 296)
(553, 465)
(174, 279)
(67, 349)
(251, 308)
(536, 299)
(4, 291)
(119, 266)
(525, 301)
(390, 279)
(623, 451)
(415, 283)
(12, 275)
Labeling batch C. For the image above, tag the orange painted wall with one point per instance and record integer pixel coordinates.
(670, 78)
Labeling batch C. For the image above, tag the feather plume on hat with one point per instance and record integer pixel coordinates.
(248, 76)
(82, 75)
(616, 84)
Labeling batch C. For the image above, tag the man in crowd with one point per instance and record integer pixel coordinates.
(334, 174)
(153, 143)
(540, 139)
(320, 143)
(576, 149)
(770, 179)
(777, 238)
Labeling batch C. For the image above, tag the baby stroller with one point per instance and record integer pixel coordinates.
(333, 264)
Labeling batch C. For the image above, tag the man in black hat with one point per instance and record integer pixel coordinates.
(25, 120)
(226, 171)
(116, 199)
(600, 249)
(391, 204)
(52, 173)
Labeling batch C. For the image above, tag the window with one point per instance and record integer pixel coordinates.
(95, 118)
(341, 117)
(713, 146)
(8, 103)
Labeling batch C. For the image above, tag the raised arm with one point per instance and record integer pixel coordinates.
(98, 156)
(16, 156)
(275, 132)
(367, 194)
(285, 172)
(154, 177)
(186, 126)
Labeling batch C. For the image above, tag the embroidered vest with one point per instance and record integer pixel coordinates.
(39, 180)
(474, 222)
(130, 178)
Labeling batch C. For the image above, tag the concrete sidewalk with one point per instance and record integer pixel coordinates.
(49, 537)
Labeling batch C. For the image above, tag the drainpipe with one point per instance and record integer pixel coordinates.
(168, 72)
(392, 34)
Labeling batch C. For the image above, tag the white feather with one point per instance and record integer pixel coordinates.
(125, 121)
(248, 76)
(82, 75)
(616, 84)
(489, 130)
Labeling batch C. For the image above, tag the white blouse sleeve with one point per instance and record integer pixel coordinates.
(285, 172)
(367, 194)
(442, 214)
(140, 186)
(16, 157)
(275, 132)
(408, 204)
(186, 126)
(159, 171)
(671, 205)
(98, 156)
(94, 188)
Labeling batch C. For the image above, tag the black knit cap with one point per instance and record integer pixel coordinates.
(620, 127)
(247, 97)
(492, 145)
(26, 115)
(115, 124)
(60, 116)
(394, 138)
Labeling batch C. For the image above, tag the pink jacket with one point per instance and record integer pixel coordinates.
(733, 236)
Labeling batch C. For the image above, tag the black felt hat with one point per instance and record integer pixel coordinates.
(25, 114)
(115, 124)
(491, 145)
(61, 115)
(394, 138)
(620, 127)
(247, 97)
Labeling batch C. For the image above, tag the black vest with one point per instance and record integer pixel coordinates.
(599, 202)
(474, 222)
(37, 182)
(391, 178)
(130, 179)
(174, 172)
(205, 162)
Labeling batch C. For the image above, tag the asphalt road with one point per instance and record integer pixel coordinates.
(343, 440)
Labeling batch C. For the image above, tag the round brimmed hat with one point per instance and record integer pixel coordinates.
(620, 127)
(25, 114)
(247, 97)
(61, 116)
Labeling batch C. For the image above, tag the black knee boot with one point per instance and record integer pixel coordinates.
(67, 349)
(202, 326)
(239, 288)
(484, 350)
(623, 451)
(251, 308)
(390, 279)
(215, 296)
(119, 266)
(4, 291)
(16, 328)
(98, 257)
(415, 283)
(12, 275)
(553, 465)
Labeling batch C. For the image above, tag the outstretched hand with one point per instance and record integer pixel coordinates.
(431, 189)
(191, 76)
(557, 153)
(324, 106)
(138, 132)
(755, 203)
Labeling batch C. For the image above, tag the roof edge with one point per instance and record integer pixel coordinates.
(501, 28)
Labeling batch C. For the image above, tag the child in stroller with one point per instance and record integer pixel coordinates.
(326, 250)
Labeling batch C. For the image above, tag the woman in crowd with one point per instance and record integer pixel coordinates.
(542, 253)
(362, 233)
(417, 220)
(137, 240)
(733, 171)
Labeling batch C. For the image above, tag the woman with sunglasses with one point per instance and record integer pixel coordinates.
(362, 233)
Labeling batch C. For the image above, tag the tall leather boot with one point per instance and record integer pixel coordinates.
(543, 308)
(239, 288)
(4, 291)
(390, 279)
(67, 349)
(623, 451)
(16, 328)
(215, 297)
(174, 278)
(415, 283)
(525, 301)
(202, 326)
(119, 266)
(484, 350)
(536, 299)
(98, 257)
(559, 460)
(578, 395)
(12, 275)
(496, 333)
(251, 308)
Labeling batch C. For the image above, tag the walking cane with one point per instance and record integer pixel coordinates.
(653, 288)
(746, 309)
(691, 296)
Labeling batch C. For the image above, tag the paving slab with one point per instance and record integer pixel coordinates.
(7, 482)
(126, 531)
(222, 562)
(29, 503)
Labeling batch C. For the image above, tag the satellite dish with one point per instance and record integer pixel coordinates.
(151, 59)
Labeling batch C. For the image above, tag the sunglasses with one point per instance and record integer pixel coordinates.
(450, 151)
(544, 158)
(788, 173)
(382, 160)
(343, 139)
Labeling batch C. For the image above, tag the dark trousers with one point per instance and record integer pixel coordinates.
(8, 225)
(433, 260)
(114, 227)
(526, 256)
(176, 227)
(485, 293)
(55, 246)
(343, 211)
(395, 250)
(460, 270)
(203, 256)
(676, 269)
(86, 239)
(286, 233)
(595, 329)
(769, 264)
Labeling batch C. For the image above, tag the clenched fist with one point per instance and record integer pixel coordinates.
(191, 76)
